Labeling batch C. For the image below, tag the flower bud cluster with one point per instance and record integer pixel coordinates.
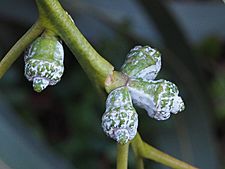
(158, 97)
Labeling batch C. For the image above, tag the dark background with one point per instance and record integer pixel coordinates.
(61, 127)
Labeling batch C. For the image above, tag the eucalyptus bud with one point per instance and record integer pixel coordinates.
(159, 98)
(120, 120)
(142, 62)
(44, 62)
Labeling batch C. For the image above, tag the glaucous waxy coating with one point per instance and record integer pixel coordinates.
(142, 62)
(120, 120)
(159, 98)
(44, 62)
(118, 97)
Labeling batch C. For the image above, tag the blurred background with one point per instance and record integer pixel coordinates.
(61, 127)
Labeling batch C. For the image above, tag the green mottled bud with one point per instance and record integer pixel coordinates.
(120, 120)
(142, 62)
(159, 98)
(44, 62)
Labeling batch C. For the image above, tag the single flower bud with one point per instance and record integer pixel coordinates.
(142, 62)
(159, 98)
(44, 62)
(120, 120)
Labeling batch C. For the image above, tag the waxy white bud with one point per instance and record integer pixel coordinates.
(120, 120)
(44, 62)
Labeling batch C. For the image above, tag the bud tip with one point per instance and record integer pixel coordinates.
(40, 84)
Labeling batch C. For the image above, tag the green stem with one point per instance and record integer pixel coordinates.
(56, 19)
(19, 47)
(122, 156)
(139, 163)
(149, 152)
(117, 79)
(138, 158)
